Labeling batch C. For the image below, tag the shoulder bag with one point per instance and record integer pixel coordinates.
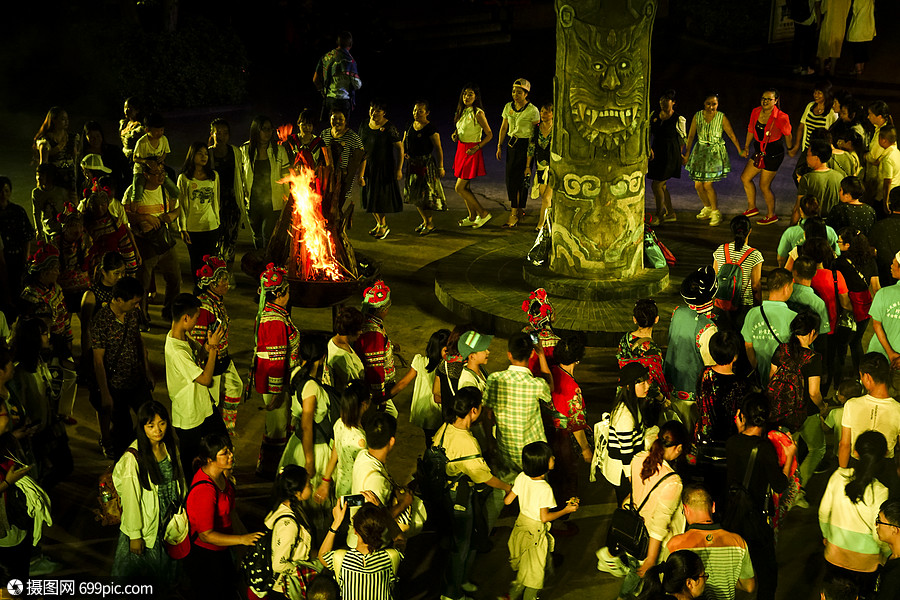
(627, 531)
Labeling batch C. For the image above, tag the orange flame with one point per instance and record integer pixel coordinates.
(315, 257)
(284, 132)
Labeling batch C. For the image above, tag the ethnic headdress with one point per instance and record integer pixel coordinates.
(213, 268)
(377, 296)
(538, 308)
(44, 257)
(699, 288)
(69, 213)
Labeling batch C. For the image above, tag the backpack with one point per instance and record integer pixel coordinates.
(110, 511)
(786, 388)
(324, 431)
(730, 278)
(432, 483)
(257, 563)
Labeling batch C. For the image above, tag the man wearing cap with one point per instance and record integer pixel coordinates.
(769, 324)
(277, 352)
(885, 313)
(375, 348)
(473, 347)
(691, 328)
(512, 399)
(212, 281)
(519, 119)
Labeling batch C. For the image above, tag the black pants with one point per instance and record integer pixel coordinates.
(203, 243)
(843, 339)
(189, 440)
(211, 573)
(16, 560)
(125, 401)
(516, 158)
(762, 555)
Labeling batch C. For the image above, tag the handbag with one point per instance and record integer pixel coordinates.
(627, 531)
(161, 238)
(176, 535)
(540, 250)
(844, 317)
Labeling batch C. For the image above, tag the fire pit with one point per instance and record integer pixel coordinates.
(311, 242)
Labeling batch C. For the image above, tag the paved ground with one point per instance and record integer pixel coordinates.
(408, 264)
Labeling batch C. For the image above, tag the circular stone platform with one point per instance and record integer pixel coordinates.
(642, 285)
(483, 284)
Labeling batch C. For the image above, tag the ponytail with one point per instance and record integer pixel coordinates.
(671, 576)
(671, 434)
(740, 229)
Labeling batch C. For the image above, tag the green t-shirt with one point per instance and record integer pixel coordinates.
(804, 296)
(824, 185)
(886, 310)
(756, 332)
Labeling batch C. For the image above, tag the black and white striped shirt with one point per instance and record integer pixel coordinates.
(364, 576)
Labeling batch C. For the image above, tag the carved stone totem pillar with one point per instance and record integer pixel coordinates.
(600, 138)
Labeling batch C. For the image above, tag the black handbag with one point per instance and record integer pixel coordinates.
(627, 531)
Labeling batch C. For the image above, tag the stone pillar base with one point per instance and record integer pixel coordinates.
(644, 284)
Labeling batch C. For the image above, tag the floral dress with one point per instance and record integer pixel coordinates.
(423, 183)
(709, 160)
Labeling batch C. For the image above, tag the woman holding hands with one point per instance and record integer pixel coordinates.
(709, 160)
(769, 130)
(471, 124)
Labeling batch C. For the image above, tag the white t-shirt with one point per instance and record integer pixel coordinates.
(191, 402)
(889, 168)
(199, 204)
(368, 474)
(310, 388)
(521, 123)
(144, 149)
(468, 129)
(349, 442)
(865, 413)
(343, 366)
(470, 378)
(534, 494)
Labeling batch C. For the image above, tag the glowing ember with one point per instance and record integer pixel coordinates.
(313, 251)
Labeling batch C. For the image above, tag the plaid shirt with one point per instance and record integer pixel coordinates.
(514, 396)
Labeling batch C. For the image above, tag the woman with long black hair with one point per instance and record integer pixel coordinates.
(264, 163)
(198, 192)
(626, 427)
(857, 264)
(150, 484)
(849, 511)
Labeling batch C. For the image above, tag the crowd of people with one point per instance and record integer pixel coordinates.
(714, 436)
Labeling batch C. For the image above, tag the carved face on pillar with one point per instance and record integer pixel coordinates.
(606, 67)
(607, 88)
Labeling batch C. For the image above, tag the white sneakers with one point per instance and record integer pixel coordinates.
(715, 217)
(608, 563)
(705, 213)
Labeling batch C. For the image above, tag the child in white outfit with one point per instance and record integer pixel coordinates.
(530, 542)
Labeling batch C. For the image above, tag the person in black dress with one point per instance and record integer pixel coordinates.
(668, 130)
(382, 168)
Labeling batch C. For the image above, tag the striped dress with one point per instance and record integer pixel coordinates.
(364, 576)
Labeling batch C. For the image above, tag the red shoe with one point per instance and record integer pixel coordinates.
(767, 220)
(751, 212)
(69, 421)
